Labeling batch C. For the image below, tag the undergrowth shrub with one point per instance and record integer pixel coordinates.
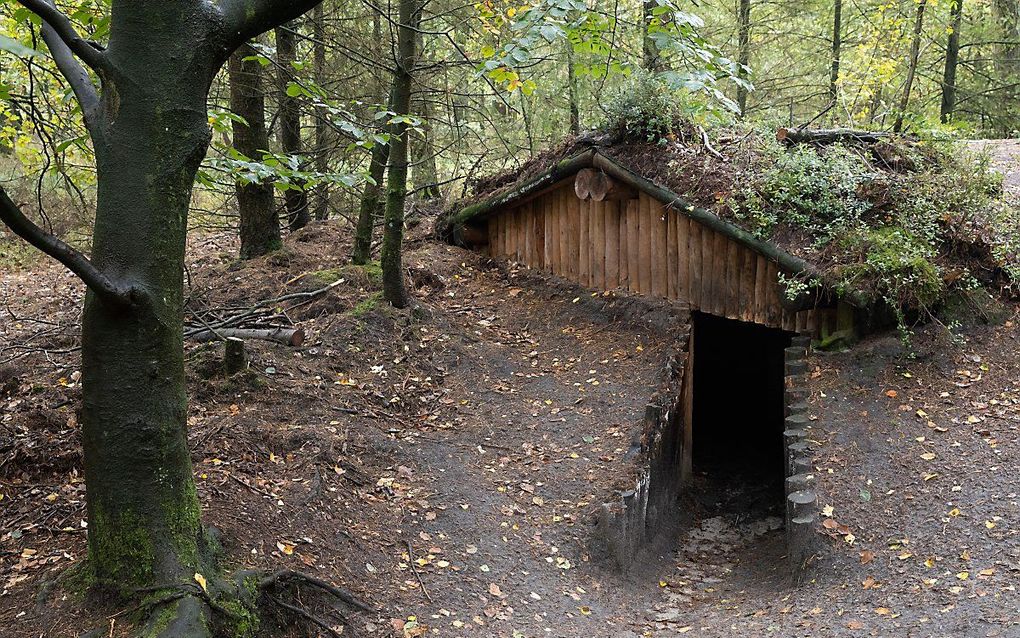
(646, 108)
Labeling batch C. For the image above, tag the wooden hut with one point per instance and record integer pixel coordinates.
(592, 220)
(742, 378)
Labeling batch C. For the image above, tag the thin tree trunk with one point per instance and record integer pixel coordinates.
(575, 109)
(370, 205)
(743, 50)
(952, 60)
(296, 199)
(260, 225)
(837, 45)
(650, 53)
(426, 173)
(1008, 12)
(321, 129)
(915, 52)
(394, 288)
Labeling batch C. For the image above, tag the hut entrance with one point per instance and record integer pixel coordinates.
(736, 416)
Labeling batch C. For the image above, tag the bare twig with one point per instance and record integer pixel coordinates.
(414, 570)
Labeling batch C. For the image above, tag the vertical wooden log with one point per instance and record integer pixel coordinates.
(554, 211)
(612, 215)
(708, 274)
(634, 244)
(672, 254)
(760, 293)
(683, 278)
(598, 245)
(717, 259)
(574, 237)
(539, 212)
(660, 250)
(694, 269)
(747, 279)
(687, 449)
(234, 357)
(547, 234)
(622, 209)
(560, 196)
(511, 234)
(519, 234)
(584, 243)
(647, 230)
(773, 309)
(490, 230)
(734, 266)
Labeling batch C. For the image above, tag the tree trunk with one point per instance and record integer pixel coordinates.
(321, 129)
(394, 288)
(650, 53)
(1008, 12)
(260, 225)
(575, 109)
(367, 214)
(837, 45)
(952, 60)
(144, 524)
(296, 199)
(915, 52)
(744, 50)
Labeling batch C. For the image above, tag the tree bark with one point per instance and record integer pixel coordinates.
(837, 45)
(915, 52)
(368, 212)
(575, 109)
(260, 224)
(321, 129)
(295, 198)
(952, 60)
(394, 287)
(744, 50)
(649, 52)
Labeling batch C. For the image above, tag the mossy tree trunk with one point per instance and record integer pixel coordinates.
(394, 288)
(295, 198)
(743, 50)
(260, 224)
(365, 230)
(948, 105)
(150, 131)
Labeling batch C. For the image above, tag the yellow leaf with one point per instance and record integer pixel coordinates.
(286, 548)
(954, 512)
(963, 575)
(989, 524)
(882, 611)
(200, 579)
(928, 456)
(585, 610)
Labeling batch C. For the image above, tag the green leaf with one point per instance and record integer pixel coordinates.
(13, 46)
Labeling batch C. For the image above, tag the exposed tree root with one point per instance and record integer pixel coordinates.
(236, 607)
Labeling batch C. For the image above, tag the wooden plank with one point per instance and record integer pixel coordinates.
(624, 266)
(773, 309)
(645, 249)
(694, 268)
(747, 278)
(511, 234)
(672, 255)
(683, 277)
(529, 235)
(584, 243)
(720, 253)
(687, 448)
(566, 265)
(734, 266)
(520, 234)
(660, 250)
(612, 215)
(490, 229)
(598, 243)
(574, 237)
(554, 240)
(547, 234)
(760, 293)
(633, 244)
(707, 266)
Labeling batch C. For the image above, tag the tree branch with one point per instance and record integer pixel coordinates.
(63, 29)
(11, 215)
(245, 19)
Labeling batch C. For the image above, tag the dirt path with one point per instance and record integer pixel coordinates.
(485, 429)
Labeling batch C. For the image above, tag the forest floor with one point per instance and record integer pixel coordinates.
(444, 463)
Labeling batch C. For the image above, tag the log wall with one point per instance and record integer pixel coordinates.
(641, 246)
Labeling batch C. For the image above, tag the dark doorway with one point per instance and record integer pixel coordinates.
(737, 418)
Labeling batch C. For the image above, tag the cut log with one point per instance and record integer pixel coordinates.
(287, 336)
(234, 358)
(828, 136)
(583, 182)
(605, 188)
